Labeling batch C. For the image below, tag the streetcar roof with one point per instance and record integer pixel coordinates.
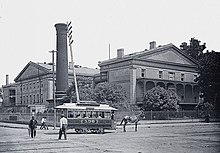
(80, 107)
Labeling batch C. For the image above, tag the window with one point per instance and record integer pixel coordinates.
(21, 99)
(42, 98)
(142, 72)
(30, 99)
(38, 98)
(171, 76)
(182, 77)
(160, 74)
(34, 98)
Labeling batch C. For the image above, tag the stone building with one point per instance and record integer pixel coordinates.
(166, 66)
(34, 86)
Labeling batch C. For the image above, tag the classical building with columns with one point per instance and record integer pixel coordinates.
(166, 66)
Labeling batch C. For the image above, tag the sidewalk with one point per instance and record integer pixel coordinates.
(13, 125)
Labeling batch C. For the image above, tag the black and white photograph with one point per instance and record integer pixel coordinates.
(110, 76)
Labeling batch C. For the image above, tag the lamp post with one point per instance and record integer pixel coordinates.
(54, 99)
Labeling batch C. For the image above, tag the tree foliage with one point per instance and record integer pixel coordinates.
(194, 49)
(112, 94)
(85, 90)
(209, 78)
(158, 99)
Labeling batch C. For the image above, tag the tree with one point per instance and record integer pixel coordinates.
(209, 79)
(85, 90)
(112, 94)
(194, 49)
(158, 99)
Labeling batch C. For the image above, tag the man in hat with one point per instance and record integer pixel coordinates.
(63, 126)
(33, 126)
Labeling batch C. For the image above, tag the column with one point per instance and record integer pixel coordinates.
(132, 85)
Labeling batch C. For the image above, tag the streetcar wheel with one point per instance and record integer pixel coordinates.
(84, 130)
(100, 130)
(77, 130)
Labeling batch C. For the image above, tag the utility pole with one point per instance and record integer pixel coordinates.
(54, 98)
(69, 31)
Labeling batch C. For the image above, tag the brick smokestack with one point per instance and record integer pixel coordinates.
(61, 58)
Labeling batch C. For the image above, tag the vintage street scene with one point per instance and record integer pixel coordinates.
(110, 76)
(184, 137)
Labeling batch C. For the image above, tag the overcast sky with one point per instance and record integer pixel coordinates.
(27, 31)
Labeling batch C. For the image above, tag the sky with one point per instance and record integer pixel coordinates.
(27, 31)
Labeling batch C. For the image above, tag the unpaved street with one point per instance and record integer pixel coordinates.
(172, 138)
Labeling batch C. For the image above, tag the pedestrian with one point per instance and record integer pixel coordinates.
(63, 126)
(33, 127)
(43, 124)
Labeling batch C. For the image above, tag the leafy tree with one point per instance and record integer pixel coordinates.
(85, 90)
(194, 49)
(158, 99)
(112, 94)
(209, 79)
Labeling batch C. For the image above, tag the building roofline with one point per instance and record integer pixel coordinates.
(147, 52)
(33, 64)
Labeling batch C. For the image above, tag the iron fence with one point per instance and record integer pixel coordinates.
(148, 115)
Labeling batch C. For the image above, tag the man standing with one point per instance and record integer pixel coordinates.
(63, 126)
(33, 126)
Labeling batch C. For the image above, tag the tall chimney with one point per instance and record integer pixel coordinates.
(62, 57)
(152, 44)
(7, 79)
(120, 53)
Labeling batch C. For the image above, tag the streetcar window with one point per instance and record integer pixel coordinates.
(90, 114)
(77, 114)
(107, 115)
(102, 114)
(81, 114)
(112, 115)
(85, 115)
(94, 114)
(70, 114)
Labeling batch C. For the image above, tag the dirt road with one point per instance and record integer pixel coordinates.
(173, 138)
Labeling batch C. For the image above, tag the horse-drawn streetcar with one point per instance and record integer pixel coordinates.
(89, 116)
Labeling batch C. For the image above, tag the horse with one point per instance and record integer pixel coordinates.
(132, 119)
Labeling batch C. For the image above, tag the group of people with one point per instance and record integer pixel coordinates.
(33, 126)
